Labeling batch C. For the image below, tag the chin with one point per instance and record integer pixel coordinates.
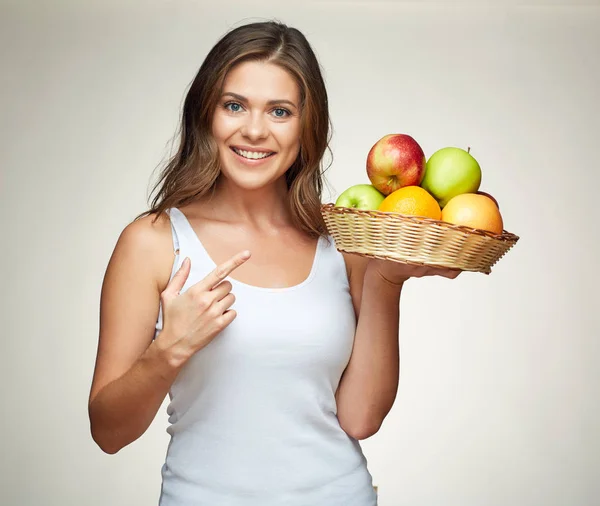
(248, 181)
(252, 178)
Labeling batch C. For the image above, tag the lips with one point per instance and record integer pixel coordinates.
(252, 153)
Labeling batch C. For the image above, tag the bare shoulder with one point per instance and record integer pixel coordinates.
(149, 239)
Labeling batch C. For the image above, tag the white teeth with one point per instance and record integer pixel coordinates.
(252, 155)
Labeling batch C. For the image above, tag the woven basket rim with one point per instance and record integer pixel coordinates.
(330, 207)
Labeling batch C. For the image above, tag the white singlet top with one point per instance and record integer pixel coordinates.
(252, 416)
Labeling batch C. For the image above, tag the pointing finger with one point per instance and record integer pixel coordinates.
(224, 270)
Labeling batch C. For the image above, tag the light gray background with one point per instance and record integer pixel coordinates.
(499, 389)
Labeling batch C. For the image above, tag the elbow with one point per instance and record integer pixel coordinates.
(105, 440)
(361, 430)
(105, 444)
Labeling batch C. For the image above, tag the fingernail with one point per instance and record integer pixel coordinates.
(246, 254)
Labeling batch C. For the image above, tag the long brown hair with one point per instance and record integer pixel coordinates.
(193, 171)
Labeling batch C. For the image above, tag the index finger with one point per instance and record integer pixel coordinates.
(225, 269)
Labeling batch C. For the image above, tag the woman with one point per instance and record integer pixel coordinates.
(278, 352)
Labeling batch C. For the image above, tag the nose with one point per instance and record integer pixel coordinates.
(255, 127)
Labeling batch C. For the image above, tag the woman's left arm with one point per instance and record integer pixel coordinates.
(368, 387)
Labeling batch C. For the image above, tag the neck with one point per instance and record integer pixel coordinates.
(262, 208)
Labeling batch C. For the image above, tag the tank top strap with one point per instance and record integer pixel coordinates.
(187, 244)
(174, 234)
(184, 236)
(332, 268)
(177, 260)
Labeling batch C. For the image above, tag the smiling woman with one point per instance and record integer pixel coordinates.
(258, 77)
(275, 373)
(254, 130)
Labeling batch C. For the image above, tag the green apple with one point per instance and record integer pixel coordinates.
(449, 172)
(360, 196)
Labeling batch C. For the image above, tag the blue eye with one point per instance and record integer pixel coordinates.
(233, 106)
(281, 110)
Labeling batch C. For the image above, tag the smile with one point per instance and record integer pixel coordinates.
(252, 155)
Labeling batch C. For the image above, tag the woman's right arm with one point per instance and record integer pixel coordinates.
(132, 375)
(133, 372)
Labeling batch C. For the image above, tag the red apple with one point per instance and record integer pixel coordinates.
(395, 161)
(490, 197)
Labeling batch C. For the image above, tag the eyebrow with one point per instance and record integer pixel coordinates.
(270, 102)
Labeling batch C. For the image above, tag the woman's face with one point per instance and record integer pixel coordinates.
(256, 124)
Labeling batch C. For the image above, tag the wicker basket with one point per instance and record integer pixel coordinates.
(416, 240)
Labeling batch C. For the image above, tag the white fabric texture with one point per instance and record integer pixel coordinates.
(252, 416)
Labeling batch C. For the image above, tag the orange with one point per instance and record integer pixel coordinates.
(412, 200)
(474, 211)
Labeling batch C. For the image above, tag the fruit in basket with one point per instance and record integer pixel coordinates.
(395, 161)
(360, 196)
(412, 200)
(474, 211)
(488, 196)
(449, 172)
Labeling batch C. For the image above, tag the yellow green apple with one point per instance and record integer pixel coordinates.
(449, 172)
(360, 196)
